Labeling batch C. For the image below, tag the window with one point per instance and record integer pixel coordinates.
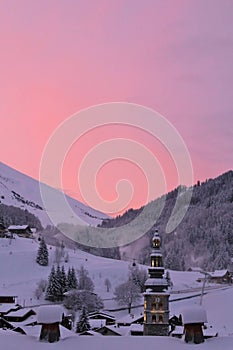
(153, 319)
(154, 306)
(160, 319)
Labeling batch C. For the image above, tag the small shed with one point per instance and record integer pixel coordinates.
(50, 318)
(193, 320)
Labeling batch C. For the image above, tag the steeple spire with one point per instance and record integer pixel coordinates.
(156, 307)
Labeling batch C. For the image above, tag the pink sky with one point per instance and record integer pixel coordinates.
(175, 56)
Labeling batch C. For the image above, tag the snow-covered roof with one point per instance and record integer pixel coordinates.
(91, 332)
(18, 227)
(218, 273)
(156, 282)
(99, 313)
(156, 254)
(136, 327)
(128, 319)
(195, 314)
(49, 314)
(7, 307)
(120, 330)
(19, 313)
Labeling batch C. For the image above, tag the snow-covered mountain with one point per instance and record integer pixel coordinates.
(22, 191)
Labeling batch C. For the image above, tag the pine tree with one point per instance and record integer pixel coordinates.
(71, 279)
(53, 289)
(83, 323)
(42, 254)
(63, 280)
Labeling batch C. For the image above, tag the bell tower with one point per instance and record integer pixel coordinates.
(156, 300)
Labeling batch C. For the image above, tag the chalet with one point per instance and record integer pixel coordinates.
(130, 319)
(194, 319)
(20, 230)
(220, 276)
(50, 317)
(106, 318)
(95, 324)
(19, 315)
(8, 299)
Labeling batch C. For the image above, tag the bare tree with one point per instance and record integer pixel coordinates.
(127, 294)
(107, 284)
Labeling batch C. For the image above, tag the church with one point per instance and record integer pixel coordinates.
(156, 299)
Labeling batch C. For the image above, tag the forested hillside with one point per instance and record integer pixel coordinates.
(10, 215)
(205, 236)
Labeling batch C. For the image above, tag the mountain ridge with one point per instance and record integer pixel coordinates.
(20, 190)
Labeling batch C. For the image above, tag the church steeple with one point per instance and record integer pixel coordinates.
(156, 307)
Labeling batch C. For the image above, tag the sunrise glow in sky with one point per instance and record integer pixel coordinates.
(174, 56)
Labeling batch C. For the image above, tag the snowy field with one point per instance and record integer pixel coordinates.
(19, 274)
(19, 342)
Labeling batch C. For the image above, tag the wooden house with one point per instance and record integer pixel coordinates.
(193, 320)
(50, 317)
(19, 315)
(130, 319)
(102, 316)
(8, 299)
(20, 230)
(6, 308)
(220, 276)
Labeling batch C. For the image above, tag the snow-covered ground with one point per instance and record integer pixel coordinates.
(12, 341)
(19, 274)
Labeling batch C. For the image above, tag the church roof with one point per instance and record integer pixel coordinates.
(156, 282)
